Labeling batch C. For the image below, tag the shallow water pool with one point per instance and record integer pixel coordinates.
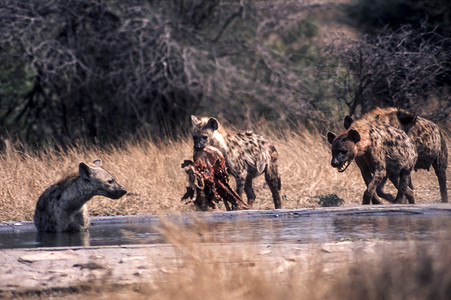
(389, 222)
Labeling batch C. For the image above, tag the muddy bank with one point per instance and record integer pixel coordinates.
(28, 271)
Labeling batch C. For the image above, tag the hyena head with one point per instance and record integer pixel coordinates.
(343, 148)
(100, 181)
(203, 131)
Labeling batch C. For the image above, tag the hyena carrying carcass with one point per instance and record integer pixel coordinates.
(62, 206)
(379, 150)
(247, 155)
(429, 140)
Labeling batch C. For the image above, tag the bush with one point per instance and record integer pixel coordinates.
(399, 68)
(102, 70)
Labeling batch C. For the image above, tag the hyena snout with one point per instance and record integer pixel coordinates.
(200, 142)
(336, 162)
(341, 160)
(115, 191)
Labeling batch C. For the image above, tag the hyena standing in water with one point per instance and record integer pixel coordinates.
(62, 206)
(429, 140)
(247, 155)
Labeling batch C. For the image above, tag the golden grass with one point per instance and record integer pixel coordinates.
(155, 181)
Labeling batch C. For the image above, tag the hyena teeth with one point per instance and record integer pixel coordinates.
(344, 166)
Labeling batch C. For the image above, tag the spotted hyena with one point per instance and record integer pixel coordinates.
(62, 206)
(427, 136)
(247, 155)
(379, 150)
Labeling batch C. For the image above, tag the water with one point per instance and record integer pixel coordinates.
(287, 226)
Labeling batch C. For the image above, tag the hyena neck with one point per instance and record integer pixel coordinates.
(76, 195)
(219, 141)
(363, 146)
(365, 142)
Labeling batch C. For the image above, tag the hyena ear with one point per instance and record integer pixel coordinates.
(194, 120)
(213, 123)
(405, 117)
(84, 170)
(354, 135)
(331, 137)
(347, 121)
(97, 162)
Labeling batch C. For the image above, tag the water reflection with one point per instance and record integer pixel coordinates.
(62, 239)
(393, 227)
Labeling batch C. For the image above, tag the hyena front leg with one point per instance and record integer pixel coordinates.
(370, 192)
(380, 191)
(367, 178)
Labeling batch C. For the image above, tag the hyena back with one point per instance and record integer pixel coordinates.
(379, 150)
(247, 155)
(427, 136)
(62, 206)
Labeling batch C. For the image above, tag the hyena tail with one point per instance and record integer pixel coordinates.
(273, 178)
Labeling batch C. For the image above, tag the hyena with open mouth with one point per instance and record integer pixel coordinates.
(379, 150)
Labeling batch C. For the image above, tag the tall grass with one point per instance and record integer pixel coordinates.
(155, 182)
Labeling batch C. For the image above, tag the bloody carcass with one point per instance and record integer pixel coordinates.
(209, 181)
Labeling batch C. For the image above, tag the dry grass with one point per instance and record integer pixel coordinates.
(155, 182)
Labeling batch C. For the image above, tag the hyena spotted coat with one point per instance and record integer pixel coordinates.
(247, 155)
(379, 150)
(427, 136)
(62, 206)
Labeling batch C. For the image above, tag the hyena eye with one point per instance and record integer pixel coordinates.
(111, 181)
(204, 137)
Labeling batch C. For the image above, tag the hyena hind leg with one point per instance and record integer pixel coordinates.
(249, 190)
(273, 180)
(440, 171)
